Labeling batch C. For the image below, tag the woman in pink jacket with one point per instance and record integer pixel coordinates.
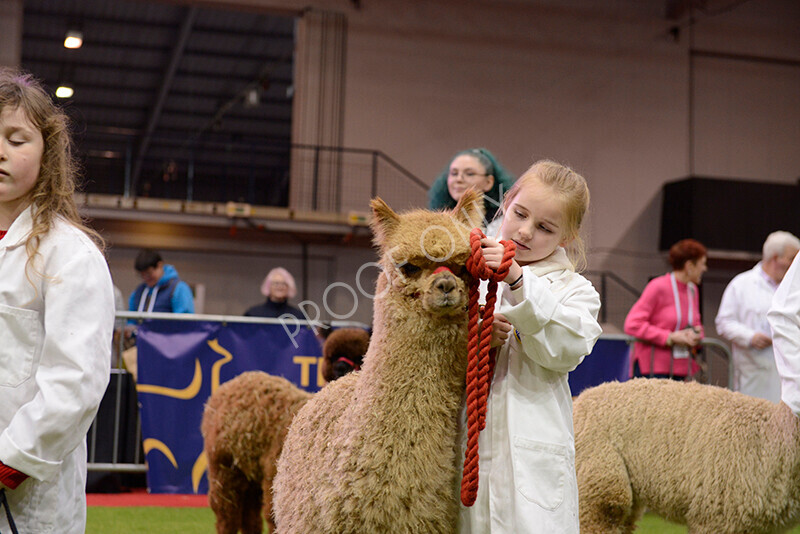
(666, 319)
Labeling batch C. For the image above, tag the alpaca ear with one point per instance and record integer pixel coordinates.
(470, 209)
(384, 220)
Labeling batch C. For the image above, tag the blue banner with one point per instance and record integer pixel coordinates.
(181, 363)
(609, 361)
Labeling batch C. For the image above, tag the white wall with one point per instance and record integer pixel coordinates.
(602, 86)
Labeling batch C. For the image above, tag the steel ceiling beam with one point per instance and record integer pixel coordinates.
(166, 84)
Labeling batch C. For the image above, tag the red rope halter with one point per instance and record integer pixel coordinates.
(480, 363)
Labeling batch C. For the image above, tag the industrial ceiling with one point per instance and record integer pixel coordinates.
(171, 101)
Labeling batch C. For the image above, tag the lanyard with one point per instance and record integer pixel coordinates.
(142, 301)
(689, 292)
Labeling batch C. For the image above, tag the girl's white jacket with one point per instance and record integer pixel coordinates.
(527, 482)
(55, 354)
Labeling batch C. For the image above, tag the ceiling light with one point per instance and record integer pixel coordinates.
(74, 39)
(64, 91)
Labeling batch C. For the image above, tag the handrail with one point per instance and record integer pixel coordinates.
(610, 274)
(726, 351)
(264, 154)
(141, 316)
(603, 290)
(402, 169)
(709, 342)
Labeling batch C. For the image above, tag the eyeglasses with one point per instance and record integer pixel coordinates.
(279, 284)
(468, 174)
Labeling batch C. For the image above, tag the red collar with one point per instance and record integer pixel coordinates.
(3, 233)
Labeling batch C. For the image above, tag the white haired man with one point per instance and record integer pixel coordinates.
(742, 318)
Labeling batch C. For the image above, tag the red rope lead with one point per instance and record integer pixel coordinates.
(480, 357)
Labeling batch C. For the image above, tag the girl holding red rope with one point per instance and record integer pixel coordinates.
(546, 323)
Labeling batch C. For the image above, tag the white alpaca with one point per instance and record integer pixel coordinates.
(718, 461)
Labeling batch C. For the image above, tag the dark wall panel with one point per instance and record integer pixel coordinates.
(727, 214)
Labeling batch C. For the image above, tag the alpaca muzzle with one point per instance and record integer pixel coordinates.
(445, 292)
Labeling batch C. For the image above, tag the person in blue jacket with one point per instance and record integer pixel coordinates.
(162, 290)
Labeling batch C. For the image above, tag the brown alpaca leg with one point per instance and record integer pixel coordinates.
(227, 487)
(251, 511)
(605, 494)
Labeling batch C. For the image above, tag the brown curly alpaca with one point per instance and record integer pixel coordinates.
(244, 425)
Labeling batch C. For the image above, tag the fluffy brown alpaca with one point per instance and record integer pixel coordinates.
(376, 451)
(343, 352)
(244, 425)
(718, 461)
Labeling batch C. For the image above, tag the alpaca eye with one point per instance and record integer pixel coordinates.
(409, 269)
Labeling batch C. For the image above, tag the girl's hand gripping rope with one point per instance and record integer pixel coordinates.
(480, 363)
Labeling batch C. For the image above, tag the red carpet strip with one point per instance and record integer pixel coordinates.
(142, 498)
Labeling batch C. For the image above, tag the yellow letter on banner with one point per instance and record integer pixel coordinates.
(227, 356)
(200, 467)
(320, 378)
(151, 443)
(188, 392)
(305, 362)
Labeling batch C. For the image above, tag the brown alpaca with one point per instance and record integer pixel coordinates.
(717, 461)
(244, 425)
(376, 451)
(343, 352)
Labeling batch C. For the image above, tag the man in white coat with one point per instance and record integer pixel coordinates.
(742, 318)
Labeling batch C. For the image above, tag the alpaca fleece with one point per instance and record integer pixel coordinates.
(244, 425)
(343, 352)
(703, 456)
(376, 451)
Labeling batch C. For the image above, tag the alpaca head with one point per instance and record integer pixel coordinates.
(343, 352)
(423, 256)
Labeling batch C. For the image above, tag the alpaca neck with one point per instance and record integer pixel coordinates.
(420, 352)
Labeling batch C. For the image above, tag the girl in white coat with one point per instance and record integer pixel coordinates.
(545, 325)
(56, 318)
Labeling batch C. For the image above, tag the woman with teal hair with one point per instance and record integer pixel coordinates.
(474, 167)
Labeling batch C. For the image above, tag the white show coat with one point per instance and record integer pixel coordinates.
(784, 317)
(742, 313)
(527, 482)
(55, 348)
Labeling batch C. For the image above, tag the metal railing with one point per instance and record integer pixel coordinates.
(132, 463)
(711, 350)
(323, 178)
(126, 455)
(616, 296)
(344, 179)
(119, 408)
